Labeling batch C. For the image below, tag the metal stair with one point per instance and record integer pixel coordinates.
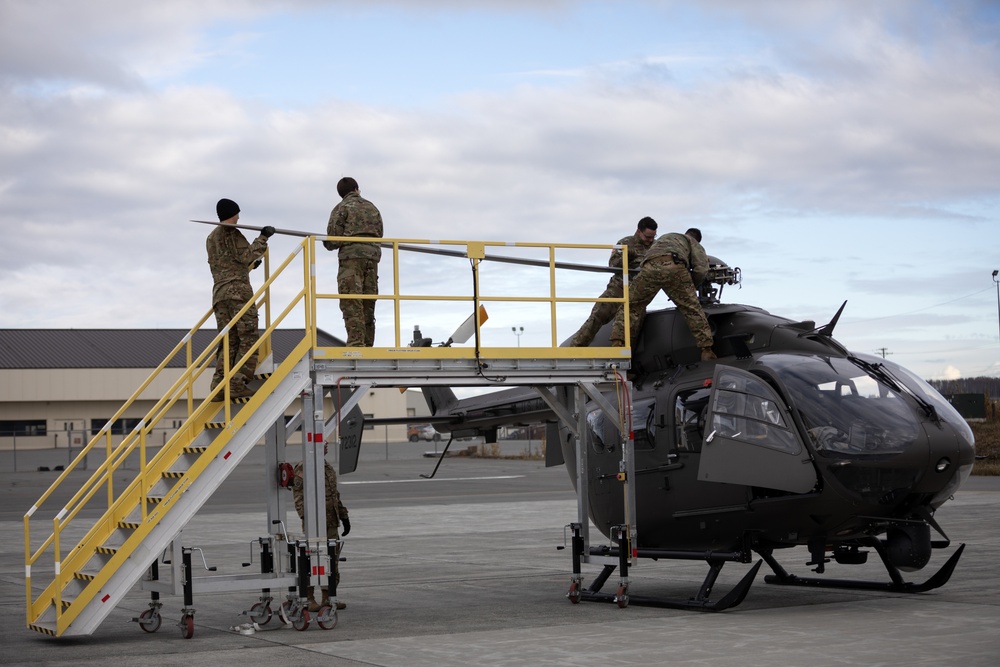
(116, 534)
(121, 545)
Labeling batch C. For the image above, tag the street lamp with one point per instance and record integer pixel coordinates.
(997, 283)
(520, 330)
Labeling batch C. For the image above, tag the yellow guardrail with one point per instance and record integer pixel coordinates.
(302, 303)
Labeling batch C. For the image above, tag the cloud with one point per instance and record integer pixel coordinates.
(869, 115)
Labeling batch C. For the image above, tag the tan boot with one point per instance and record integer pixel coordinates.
(707, 353)
(326, 601)
(313, 605)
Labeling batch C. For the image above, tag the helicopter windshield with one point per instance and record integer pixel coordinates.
(847, 412)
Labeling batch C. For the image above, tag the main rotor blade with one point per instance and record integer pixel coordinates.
(570, 266)
(288, 232)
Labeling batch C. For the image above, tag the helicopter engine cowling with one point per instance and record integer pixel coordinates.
(909, 547)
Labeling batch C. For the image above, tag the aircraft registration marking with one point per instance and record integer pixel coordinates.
(436, 479)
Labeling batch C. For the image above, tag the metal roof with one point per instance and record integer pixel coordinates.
(119, 348)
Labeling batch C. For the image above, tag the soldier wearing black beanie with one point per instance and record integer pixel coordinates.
(226, 208)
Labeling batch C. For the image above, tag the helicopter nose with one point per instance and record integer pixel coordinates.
(950, 455)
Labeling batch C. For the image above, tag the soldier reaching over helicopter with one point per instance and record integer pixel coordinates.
(603, 312)
(677, 264)
(336, 514)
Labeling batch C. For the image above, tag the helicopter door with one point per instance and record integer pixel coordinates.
(750, 438)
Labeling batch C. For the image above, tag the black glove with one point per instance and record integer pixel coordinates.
(347, 526)
(329, 245)
(267, 232)
(256, 264)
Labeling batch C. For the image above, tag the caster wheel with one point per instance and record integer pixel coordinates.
(621, 597)
(150, 620)
(283, 612)
(574, 592)
(329, 613)
(303, 622)
(260, 613)
(187, 627)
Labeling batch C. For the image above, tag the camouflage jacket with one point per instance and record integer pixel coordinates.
(334, 507)
(355, 216)
(636, 250)
(685, 249)
(229, 258)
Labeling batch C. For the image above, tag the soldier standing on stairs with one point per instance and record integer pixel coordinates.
(336, 514)
(231, 258)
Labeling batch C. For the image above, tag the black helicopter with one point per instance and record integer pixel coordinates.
(788, 439)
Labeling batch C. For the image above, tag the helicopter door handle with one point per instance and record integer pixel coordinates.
(709, 438)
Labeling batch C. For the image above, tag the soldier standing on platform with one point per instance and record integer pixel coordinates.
(602, 313)
(358, 273)
(231, 258)
(677, 264)
(336, 514)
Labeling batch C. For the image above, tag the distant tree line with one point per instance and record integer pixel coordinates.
(980, 385)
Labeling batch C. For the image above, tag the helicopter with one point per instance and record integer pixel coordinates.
(786, 440)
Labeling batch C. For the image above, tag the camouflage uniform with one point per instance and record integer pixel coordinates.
(335, 510)
(603, 313)
(230, 258)
(677, 277)
(358, 274)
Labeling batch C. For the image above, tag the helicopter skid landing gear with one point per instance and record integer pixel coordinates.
(623, 598)
(897, 585)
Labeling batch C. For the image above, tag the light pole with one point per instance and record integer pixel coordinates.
(997, 283)
(517, 332)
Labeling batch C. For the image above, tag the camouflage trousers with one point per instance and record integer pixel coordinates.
(332, 533)
(601, 314)
(242, 337)
(674, 279)
(358, 276)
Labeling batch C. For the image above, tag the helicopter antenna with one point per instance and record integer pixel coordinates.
(827, 330)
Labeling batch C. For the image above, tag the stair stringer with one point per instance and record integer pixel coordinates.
(164, 523)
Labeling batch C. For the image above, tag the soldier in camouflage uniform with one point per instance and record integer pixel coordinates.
(603, 313)
(358, 273)
(231, 258)
(676, 263)
(336, 514)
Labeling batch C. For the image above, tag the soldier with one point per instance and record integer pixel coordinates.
(336, 514)
(602, 313)
(676, 263)
(358, 273)
(231, 258)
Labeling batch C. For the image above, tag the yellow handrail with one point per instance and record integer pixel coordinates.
(119, 504)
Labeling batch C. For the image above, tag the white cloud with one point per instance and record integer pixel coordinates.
(877, 124)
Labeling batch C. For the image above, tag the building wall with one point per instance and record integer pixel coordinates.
(73, 401)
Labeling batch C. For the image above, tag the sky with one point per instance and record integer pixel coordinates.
(833, 151)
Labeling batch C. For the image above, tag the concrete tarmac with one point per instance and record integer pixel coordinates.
(463, 570)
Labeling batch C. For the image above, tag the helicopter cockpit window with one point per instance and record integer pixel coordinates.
(603, 435)
(846, 411)
(746, 409)
(689, 419)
